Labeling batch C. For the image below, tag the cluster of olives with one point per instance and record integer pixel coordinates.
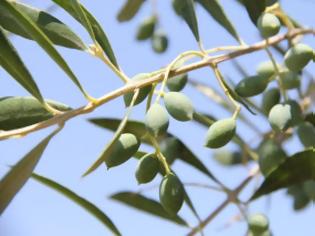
(147, 30)
(258, 225)
(302, 194)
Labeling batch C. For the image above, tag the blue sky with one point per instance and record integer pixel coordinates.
(38, 211)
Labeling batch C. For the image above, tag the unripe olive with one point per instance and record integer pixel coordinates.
(220, 133)
(306, 133)
(296, 111)
(290, 80)
(228, 158)
(147, 169)
(258, 223)
(171, 148)
(156, 120)
(309, 189)
(271, 155)
(143, 93)
(265, 233)
(124, 148)
(270, 98)
(179, 106)
(266, 69)
(251, 86)
(280, 117)
(177, 83)
(171, 194)
(297, 57)
(301, 200)
(159, 42)
(146, 28)
(268, 25)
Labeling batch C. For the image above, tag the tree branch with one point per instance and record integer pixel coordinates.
(62, 118)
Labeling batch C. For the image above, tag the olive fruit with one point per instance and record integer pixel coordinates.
(177, 83)
(159, 42)
(290, 80)
(251, 86)
(306, 133)
(143, 93)
(266, 69)
(147, 169)
(280, 117)
(228, 158)
(297, 57)
(156, 120)
(268, 25)
(146, 28)
(309, 189)
(271, 155)
(171, 148)
(258, 223)
(179, 106)
(220, 133)
(18, 112)
(296, 111)
(270, 98)
(171, 194)
(124, 148)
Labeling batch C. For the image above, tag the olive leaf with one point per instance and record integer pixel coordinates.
(214, 8)
(310, 118)
(55, 30)
(129, 10)
(39, 36)
(85, 204)
(83, 16)
(15, 179)
(138, 128)
(186, 9)
(13, 64)
(254, 8)
(294, 170)
(18, 112)
(147, 205)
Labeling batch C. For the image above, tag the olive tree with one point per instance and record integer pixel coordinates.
(280, 92)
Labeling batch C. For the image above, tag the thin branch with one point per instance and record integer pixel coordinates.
(61, 118)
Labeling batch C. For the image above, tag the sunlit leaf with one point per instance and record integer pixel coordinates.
(83, 16)
(55, 30)
(15, 179)
(13, 64)
(294, 170)
(147, 205)
(37, 34)
(214, 8)
(129, 10)
(85, 204)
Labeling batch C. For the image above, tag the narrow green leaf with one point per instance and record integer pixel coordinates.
(254, 8)
(88, 206)
(55, 30)
(92, 26)
(295, 170)
(11, 184)
(37, 34)
(186, 9)
(147, 205)
(138, 128)
(129, 10)
(13, 64)
(214, 8)
(18, 112)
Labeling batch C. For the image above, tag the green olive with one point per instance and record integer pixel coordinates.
(280, 117)
(270, 98)
(179, 106)
(297, 57)
(251, 86)
(159, 42)
(258, 223)
(146, 28)
(177, 83)
(306, 134)
(156, 120)
(220, 133)
(147, 169)
(268, 25)
(171, 194)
